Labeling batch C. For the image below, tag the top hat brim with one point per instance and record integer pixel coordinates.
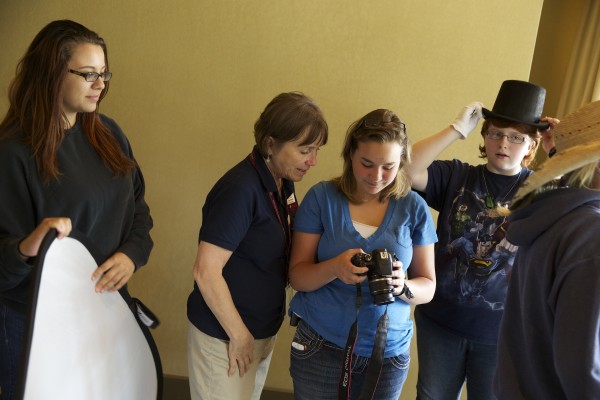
(539, 125)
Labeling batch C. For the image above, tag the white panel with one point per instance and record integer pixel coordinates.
(85, 345)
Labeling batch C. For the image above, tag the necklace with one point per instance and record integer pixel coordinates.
(489, 198)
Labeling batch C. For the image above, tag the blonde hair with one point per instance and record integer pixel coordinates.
(580, 178)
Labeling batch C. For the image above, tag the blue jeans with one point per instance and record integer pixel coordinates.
(12, 330)
(316, 369)
(447, 360)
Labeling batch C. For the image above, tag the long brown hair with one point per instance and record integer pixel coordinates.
(381, 126)
(35, 97)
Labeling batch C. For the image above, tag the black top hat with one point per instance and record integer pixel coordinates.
(521, 102)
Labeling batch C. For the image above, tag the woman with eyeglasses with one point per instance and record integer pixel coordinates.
(457, 331)
(63, 166)
(362, 254)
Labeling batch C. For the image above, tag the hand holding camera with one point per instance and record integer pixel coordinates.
(345, 271)
(380, 273)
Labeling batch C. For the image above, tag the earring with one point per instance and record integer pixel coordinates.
(268, 159)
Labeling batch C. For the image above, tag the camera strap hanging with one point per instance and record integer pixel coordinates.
(346, 377)
(375, 362)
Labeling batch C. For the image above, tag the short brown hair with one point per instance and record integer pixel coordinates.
(286, 118)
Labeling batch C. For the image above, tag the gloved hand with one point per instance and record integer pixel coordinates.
(468, 118)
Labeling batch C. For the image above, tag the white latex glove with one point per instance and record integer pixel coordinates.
(467, 119)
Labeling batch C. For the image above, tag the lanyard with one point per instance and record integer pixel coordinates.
(285, 225)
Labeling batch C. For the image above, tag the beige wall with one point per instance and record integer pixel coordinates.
(559, 26)
(190, 78)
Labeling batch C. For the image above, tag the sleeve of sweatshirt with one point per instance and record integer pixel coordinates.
(17, 211)
(577, 329)
(138, 244)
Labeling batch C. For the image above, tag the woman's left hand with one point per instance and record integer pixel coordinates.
(398, 277)
(114, 273)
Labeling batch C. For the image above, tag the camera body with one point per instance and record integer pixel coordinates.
(379, 262)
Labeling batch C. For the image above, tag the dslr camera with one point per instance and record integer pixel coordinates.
(379, 262)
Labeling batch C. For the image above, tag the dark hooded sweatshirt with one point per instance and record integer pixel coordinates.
(549, 345)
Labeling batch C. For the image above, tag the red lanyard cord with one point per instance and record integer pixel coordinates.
(285, 227)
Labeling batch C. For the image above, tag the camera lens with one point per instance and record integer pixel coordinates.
(381, 290)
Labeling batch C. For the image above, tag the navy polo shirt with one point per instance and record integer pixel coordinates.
(238, 215)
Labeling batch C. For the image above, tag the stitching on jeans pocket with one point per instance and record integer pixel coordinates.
(359, 364)
(401, 361)
(305, 342)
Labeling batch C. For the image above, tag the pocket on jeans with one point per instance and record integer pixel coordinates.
(401, 361)
(306, 342)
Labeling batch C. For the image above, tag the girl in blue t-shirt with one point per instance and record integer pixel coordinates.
(369, 207)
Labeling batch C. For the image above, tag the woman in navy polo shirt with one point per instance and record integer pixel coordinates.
(238, 301)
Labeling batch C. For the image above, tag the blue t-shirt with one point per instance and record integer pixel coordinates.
(331, 309)
(239, 216)
(473, 260)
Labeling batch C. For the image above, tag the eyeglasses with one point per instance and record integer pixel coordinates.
(93, 76)
(377, 123)
(516, 139)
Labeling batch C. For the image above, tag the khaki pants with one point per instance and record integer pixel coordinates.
(208, 362)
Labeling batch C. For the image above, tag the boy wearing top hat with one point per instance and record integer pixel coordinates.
(457, 331)
(548, 342)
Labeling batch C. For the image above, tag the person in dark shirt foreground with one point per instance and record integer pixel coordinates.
(548, 347)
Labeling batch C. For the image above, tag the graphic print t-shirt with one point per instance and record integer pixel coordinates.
(473, 259)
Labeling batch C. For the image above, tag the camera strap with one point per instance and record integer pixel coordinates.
(346, 376)
(375, 362)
